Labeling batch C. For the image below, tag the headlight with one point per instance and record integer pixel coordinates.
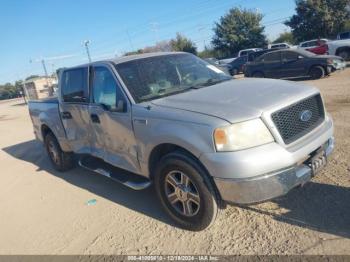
(242, 135)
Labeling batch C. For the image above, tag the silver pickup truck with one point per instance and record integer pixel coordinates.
(200, 137)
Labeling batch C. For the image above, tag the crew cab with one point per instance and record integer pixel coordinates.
(200, 137)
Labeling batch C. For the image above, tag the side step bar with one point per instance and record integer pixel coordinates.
(126, 178)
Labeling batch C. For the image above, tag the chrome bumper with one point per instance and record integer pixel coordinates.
(268, 186)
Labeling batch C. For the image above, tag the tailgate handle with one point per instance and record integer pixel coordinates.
(66, 115)
(95, 118)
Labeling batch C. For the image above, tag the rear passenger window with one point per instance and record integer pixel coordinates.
(272, 57)
(289, 56)
(75, 85)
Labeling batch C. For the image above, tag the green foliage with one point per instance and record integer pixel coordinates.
(318, 18)
(8, 91)
(181, 43)
(286, 37)
(137, 52)
(239, 29)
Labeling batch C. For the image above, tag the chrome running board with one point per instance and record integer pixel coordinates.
(128, 179)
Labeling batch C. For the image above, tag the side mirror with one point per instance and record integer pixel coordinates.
(119, 107)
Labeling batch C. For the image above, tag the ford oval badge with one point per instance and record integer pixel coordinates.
(305, 115)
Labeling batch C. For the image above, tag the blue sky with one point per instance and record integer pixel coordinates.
(33, 29)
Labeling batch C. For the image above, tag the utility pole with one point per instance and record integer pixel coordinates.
(86, 43)
(47, 77)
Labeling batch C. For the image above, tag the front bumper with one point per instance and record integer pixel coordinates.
(267, 186)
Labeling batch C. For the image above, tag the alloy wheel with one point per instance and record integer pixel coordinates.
(182, 194)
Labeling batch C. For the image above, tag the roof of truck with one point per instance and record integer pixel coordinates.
(128, 58)
(123, 59)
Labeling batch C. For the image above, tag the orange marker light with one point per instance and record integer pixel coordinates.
(220, 137)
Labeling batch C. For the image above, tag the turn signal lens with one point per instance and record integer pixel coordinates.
(220, 137)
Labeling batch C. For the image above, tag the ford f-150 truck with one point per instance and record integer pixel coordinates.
(201, 138)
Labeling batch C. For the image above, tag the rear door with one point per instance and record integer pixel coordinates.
(74, 108)
(272, 64)
(112, 137)
(293, 65)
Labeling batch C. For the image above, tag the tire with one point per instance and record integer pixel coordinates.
(61, 161)
(258, 75)
(317, 72)
(345, 55)
(234, 71)
(198, 207)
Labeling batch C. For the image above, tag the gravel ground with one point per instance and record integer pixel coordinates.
(45, 212)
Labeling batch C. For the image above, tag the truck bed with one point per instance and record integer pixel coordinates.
(46, 112)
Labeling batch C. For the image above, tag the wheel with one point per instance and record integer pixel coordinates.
(345, 55)
(317, 72)
(61, 161)
(258, 75)
(185, 191)
(234, 71)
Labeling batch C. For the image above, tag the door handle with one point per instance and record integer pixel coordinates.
(66, 115)
(95, 118)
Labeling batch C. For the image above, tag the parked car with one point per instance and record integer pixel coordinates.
(279, 46)
(201, 138)
(340, 48)
(223, 67)
(245, 52)
(293, 63)
(316, 46)
(226, 60)
(255, 55)
(343, 35)
(236, 66)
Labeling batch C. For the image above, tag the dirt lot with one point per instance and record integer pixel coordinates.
(45, 212)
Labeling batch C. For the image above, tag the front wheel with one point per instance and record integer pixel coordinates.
(185, 192)
(61, 161)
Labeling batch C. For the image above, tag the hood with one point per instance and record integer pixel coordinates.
(238, 100)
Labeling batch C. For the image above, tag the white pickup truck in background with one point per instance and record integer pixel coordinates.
(340, 48)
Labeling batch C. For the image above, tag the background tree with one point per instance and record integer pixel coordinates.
(182, 43)
(286, 37)
(318, 18)
(239, 29)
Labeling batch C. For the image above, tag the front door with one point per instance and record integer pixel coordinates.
(272, 64)
(292, 65)
(74, 108)
(112, 136)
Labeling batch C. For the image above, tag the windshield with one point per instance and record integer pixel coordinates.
(154, 77)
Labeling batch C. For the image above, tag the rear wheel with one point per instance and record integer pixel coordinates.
(61, 161)
(234, 71)
(186, 192)
(258, 75)
(317, 72)
(345, 55)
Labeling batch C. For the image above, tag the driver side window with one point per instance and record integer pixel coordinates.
(105, 89)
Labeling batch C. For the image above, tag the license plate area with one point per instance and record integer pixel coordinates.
(317, 161)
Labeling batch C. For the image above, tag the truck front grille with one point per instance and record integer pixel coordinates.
(295, 121)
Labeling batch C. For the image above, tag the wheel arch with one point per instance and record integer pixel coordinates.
(165, 148)
(341, 49)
